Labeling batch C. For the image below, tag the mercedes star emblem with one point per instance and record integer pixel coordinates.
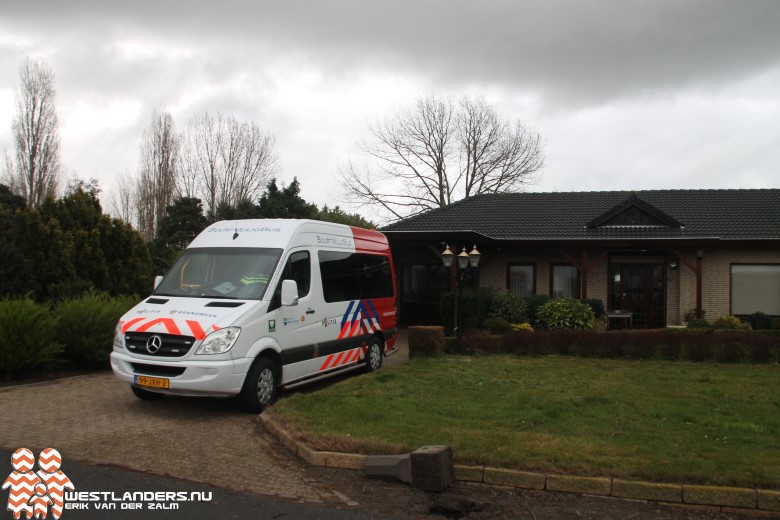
(153, 344)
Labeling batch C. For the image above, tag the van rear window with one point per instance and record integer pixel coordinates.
(354, 276)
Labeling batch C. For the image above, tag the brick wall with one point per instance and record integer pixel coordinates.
(680, 282)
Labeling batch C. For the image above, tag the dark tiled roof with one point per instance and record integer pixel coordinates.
(705, 214)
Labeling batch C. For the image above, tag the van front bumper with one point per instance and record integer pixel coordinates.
(190, 377)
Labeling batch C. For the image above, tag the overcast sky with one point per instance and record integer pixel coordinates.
(661, 94)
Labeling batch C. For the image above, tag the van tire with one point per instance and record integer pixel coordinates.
(146, 395)
(260, 386)
(374, 355)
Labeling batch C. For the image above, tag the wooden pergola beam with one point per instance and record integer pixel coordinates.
(697, 270)
(584, 266)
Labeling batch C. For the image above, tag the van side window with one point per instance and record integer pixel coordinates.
(354, 276)
(298, 268)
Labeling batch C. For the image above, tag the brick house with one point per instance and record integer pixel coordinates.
(650, 256)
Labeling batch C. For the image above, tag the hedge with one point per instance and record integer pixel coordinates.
(27, 336)
(720, 346)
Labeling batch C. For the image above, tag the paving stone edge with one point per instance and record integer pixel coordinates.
(726, 498)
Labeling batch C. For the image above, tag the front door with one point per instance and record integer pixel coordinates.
(640, 290)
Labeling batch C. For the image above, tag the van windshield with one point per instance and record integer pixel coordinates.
(210, 272)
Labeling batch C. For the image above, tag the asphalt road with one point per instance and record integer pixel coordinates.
(102, 490)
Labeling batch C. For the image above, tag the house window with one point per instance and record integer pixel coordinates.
(564, 281)
(755, 288)
(521, 279)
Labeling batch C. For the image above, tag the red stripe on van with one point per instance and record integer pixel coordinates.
(326, 363)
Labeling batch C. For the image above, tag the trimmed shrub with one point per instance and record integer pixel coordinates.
(565, 313)
(496, 325)
(595, 304)
(696, 323)
(476, 303)
(425, 340)
(726, 346)
(86, 325)
(534, 302)
(27, 336)
(504, 304)
(730, 322)
(690, 314)
(760, 321)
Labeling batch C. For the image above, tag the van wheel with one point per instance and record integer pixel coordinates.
(146, 395)
(374, 355)
(260, 386)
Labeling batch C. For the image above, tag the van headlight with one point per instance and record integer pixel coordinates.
(119, 337)
(219, 342)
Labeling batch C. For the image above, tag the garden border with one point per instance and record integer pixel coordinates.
(726, 499)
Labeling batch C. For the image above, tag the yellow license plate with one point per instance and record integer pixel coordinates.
(152, 382)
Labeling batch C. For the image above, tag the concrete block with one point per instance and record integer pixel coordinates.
(389, 467)
(468, 473)
(518, 479)
(585, 485)
(769, 500)
(432, 468)
(344, 460)
(313, 457)
(720, 496)
(647, 490)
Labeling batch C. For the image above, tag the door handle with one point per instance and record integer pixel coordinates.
(310, 311)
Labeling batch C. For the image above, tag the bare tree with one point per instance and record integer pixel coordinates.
(123, 198)
(157, 172)
(225, 161)
(438, 152)
(36, 133)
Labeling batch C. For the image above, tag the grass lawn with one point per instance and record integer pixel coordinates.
(650, 420)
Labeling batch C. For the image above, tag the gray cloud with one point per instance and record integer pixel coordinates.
(601, 76)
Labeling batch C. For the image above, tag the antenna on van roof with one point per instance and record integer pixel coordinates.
(235, 235)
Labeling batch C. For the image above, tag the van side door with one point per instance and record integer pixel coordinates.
(299, 326)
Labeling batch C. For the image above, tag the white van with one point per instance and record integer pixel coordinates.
(253, 305)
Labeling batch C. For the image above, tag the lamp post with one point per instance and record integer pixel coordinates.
(467, 264)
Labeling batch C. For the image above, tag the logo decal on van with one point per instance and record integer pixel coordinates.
(363, 319)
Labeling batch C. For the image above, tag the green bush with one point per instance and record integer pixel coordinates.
(476, 303)
(27, 336)
(534, 302)
(504, 304)
(730, 322)
(595, 304)
(565, 313)
(776, 324)
(760, 321)
(496, 325)
(86, 325)
(696, 323)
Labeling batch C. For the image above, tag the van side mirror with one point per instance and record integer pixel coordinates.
(289, 293)
(157, 280)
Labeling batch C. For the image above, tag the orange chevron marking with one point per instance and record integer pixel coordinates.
(126, 325)
(337, 361)
(196, 329)
(327, 362)
(168, 323)
(344, 330)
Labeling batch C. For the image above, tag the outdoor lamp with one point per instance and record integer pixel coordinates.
(474, 257)
(446, 257)
(463, 259)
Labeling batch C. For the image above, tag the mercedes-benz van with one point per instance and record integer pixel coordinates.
(255, 305)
